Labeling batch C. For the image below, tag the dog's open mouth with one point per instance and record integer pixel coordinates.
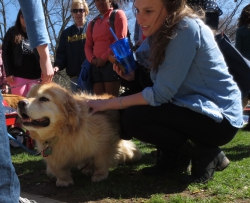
(42, 122)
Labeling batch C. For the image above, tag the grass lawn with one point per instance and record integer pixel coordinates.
(126, 184)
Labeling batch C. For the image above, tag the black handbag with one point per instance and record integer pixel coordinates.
(238, 66)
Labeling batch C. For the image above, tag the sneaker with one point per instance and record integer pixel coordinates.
(24, 200)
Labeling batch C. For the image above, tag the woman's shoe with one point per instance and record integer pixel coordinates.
(205, 161)
(223, 163)
(203, 168)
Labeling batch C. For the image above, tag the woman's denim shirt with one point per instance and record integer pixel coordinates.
(194, 75)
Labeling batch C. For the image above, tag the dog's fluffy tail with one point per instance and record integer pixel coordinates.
(129, 152)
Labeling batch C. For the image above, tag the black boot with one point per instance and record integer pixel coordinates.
(205, 161)
(184, 164)
(167, 161)
(223, 162)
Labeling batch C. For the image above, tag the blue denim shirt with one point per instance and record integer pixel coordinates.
(194, 75)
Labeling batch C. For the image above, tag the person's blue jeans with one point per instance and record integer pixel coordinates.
(9, 183)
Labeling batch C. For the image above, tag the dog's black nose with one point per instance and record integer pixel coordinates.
(21, 104)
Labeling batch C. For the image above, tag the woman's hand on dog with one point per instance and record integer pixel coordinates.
(98, 105)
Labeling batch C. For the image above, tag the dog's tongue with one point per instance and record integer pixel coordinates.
(30, 120)
(26, 119)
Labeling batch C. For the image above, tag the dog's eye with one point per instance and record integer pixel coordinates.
(43, 99)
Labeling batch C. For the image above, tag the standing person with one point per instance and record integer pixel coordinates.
(3, 81)
(70, 53)
(99, 38)
(212, 11)
(21, 62)
(194, 105)
(38, 35)
(242, 40)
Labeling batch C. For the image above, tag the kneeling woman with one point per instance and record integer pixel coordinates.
(194, 105)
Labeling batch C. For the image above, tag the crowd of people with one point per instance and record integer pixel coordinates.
(197, 92)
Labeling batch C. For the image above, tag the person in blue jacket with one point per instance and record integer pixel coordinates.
(39, 39)
(70, 53)
(194, 105)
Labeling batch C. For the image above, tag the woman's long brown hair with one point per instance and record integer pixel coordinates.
(177, 10)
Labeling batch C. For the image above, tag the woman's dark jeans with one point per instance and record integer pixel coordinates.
(169, 126)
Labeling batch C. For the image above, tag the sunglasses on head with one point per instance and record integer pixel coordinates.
(80, 10)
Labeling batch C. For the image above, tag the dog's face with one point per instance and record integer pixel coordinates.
(48, 108)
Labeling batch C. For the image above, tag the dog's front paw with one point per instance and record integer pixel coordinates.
(64, 183)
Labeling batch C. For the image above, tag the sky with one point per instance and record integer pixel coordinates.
(230, 5)
(227, 8)
(12, 10)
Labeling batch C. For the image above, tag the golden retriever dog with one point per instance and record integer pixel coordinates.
(12, 99)
(68, 134)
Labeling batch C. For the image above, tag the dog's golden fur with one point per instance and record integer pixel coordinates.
(90, 141)
(12, 99)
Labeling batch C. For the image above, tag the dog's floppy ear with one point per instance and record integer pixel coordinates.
(70, 109)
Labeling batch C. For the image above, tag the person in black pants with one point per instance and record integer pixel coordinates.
(193, 106)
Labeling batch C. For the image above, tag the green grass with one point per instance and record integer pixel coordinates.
(126, 184)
